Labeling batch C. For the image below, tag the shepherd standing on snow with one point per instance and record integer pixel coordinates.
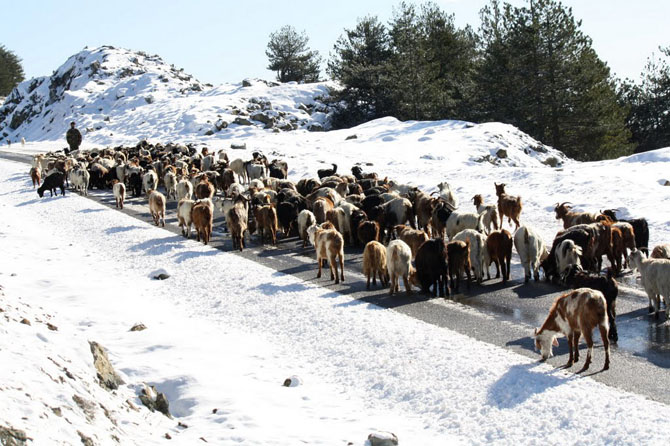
(73, 137)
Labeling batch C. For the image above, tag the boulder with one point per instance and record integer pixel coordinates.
(383, 439)
(350, 137)
(501, 153)
(154, 400)
(107, 376)
(262, 117)
(12, 437)
(138, 327)
(238, 146)
(242, 121)
(315, 127)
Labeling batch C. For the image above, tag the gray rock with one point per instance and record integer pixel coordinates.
(667, 183)
(12, 437)
(315, 127)
(262, 117)
(86, 441)
(501, 153)
(107, 376)
(238, 146)
(138, 327)
(242, 121)
(209, 132)
(155, 401)
(351, 137)
(246, 83)
(383, 439)
(552, 161)
(220, 125)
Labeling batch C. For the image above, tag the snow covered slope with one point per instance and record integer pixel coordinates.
(111, 91)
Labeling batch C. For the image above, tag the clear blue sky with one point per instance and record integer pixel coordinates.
(225, 41)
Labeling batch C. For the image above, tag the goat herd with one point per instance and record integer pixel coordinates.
(395, 223)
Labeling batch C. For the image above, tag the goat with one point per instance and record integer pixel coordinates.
(490, 213)
(367, 231)
(239, 167)
(80, 179)
(119, 190)
(499, 248)
(578, 278)
(575, 313)
(237, 219)
(35, 176)
(322, 173)
(479, 257)
(149, 181)
(570, 218)
(440, 217)
(184, 189)
(458, 260)
(135, 180)
(170, 181)
(202, 216)
(345, 211)
(278, 169)
(567, 256)
(374, 264)
(413, 237)
(204, 189)
(305, 220)
(640, 226)
(329, 244)
(321, 207)
(287, 217)
(460, 220)
(254, 171)
(51, 182)
(399, 264)
(532, 251)
(431, 268)
(184, 208)
(395, 212)
(447, 195)
(628, 235)
(157, 206)
(508, 205)
(655, 277)
(266, 222)
(423, 208)
(661, 252)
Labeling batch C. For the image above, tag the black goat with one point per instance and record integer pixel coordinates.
(322, 173)
(278, 169)
(432, 268)
(577, 278)
(582, 238)
(51, 182)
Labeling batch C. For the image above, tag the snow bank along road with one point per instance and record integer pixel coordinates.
(501, 315)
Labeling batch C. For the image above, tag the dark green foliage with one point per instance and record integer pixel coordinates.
(361, 65)
(649, 105)
(540, 73)
(11, 71)
(291, 58)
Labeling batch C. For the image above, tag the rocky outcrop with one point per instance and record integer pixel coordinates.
(155, 401)
(107, 376)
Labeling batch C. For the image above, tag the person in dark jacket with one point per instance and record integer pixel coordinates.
(73, 137)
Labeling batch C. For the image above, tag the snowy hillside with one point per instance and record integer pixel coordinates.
(111, 91)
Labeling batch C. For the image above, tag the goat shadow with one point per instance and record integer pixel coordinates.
(520, 383)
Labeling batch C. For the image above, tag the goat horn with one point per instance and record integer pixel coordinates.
(564, 203)
(433, 193)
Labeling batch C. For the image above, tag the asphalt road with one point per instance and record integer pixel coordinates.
(502, 315)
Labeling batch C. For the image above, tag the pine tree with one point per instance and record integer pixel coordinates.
(540, 73)
(649, 104)
(291, 58)
(11, 71)
(360, 63)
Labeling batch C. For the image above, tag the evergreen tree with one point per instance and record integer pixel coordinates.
(11, 71)
(360, 63)
(649, 104)
(291, 58)
(540, 73)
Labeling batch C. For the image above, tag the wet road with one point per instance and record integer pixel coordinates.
(501, 315)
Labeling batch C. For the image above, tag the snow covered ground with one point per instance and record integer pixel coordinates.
(224, 333)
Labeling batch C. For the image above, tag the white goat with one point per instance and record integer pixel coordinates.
(305, 220)
(80, 179)
(170, 180)
(149, 181)
(184, 216)
(567, 254)
(479, 255)
(399, 264)
(447, 194)
(532, 251)
(184, 189)
(460, 220)
(655, 277)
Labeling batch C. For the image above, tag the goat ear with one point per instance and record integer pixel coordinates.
(554, 342)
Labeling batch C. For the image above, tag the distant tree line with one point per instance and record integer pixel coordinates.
(529, 66)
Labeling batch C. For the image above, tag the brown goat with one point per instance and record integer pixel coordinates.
(329, 244)
(499, 245)
(367, 231)
(157, 206)
(237, 219)
(202, 218)
(36, 176)
(266, 222)
(423, 205)
(618, 250)
(374, 264)
(571, 218)
(458, 259)
(204, 189)
(628, 234)
(508, 205)
(321, 207)
(413, 237)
